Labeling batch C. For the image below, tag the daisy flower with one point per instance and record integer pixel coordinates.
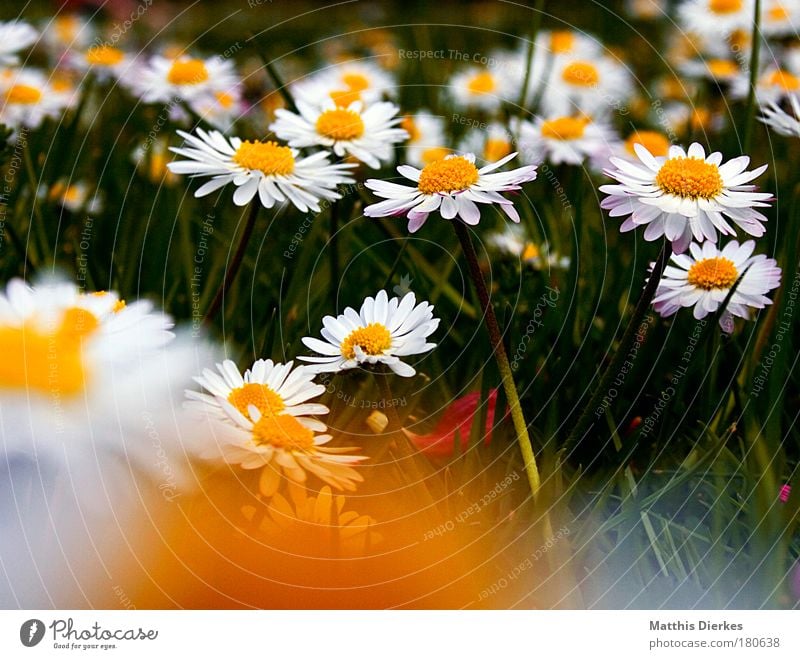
(220, 109)
(780, 18)
(772, 86)
(75, 196)
(564, 140)
(65, 32)
(703, 278)
(489, 144)
(717, 69)
(715, 19)
(453, 186)
(163, 79)
(27, 98)
(513, 242)
(685, 195)
(481, 88)
(366, 133)
(382, 332)
(280, 444)
(272, 388)
(276, 173)
(345, 83)
(426, 138)
(782, 122)
(15, 36)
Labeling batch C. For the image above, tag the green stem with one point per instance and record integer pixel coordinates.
(503, 365)
(751, 97)
(236, 262)
(537, 23)
(333, 246)
(583, 423)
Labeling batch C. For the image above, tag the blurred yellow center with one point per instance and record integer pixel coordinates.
(188, 72)
(690, 178)
(562, 41)
(23, 94)
(482, 83)
(344, 97)
(582, 74)
(434, 153)
(778, 13)
(713, 273)
(47, 361)
(725, 6)
(224, 99)
(447, 175)
(66, 27)
(104, 56)
(496, 149)
(283, 431)
(410, 126)
(564, 128)
(262, 397)
(355, 82)
(530, 252)
(267, 157)
(784, 80)
(719, 68)
(373, 339)
(655, 142)
(340, 124)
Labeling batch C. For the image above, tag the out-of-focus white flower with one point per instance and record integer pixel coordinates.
(715, 19)
(485, 88)
(27, 98)
(426, 138)
(345, 83)
(15, 36)
(163, 79)
(567, 140)
(490, 144)
(513, 242)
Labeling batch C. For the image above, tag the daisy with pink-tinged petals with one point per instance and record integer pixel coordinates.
(685, 195)
(453, 187)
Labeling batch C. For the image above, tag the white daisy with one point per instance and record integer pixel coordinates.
(104, 61)
(780, 18)
(490, 144)
(220, 109)
(345, 83)
(382, 332)
(15, 36)
(27, 98)
(482, 88)
(564, 140)
(588, 86)
(703, 278)
(453, 186)
(426, 138)
(715, 19)
(272, 388)
(74, 197)
(773, 85)
(685, 195)
(366, 133)
(276, 173)
(781, 121)
(513, 241)
(162, 79)
(65, 32)
(718, 69)
(280, 444)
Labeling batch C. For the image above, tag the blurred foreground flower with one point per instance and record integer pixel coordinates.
(381, 333)
(456, 420)
(453, 187)
(703, 278)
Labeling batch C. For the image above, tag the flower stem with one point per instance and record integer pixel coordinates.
(503, 365)
(583, 423)
(333, 246)
(755, 47)
(236, 262)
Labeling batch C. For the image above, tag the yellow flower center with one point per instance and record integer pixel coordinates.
(283, 431)
(690, 178)
(410, 126)
(720, 68)
(66, 27)
(344, 97)
(340, 124)
(783, 79)
(565, 128)
(714, 273)
(434, 153)
(530, 252)
(267, 157)
(778, 13)
(581, 74)
(47, 361)
(188, 72)
(447, 175)
(725, 6)
(496, 149)
(374, 339)
(104, 56)
(482, 83)
(224, 99)
(562, 41)
(655, 142)
(355, 82)
(23, 94)
(265, 400)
